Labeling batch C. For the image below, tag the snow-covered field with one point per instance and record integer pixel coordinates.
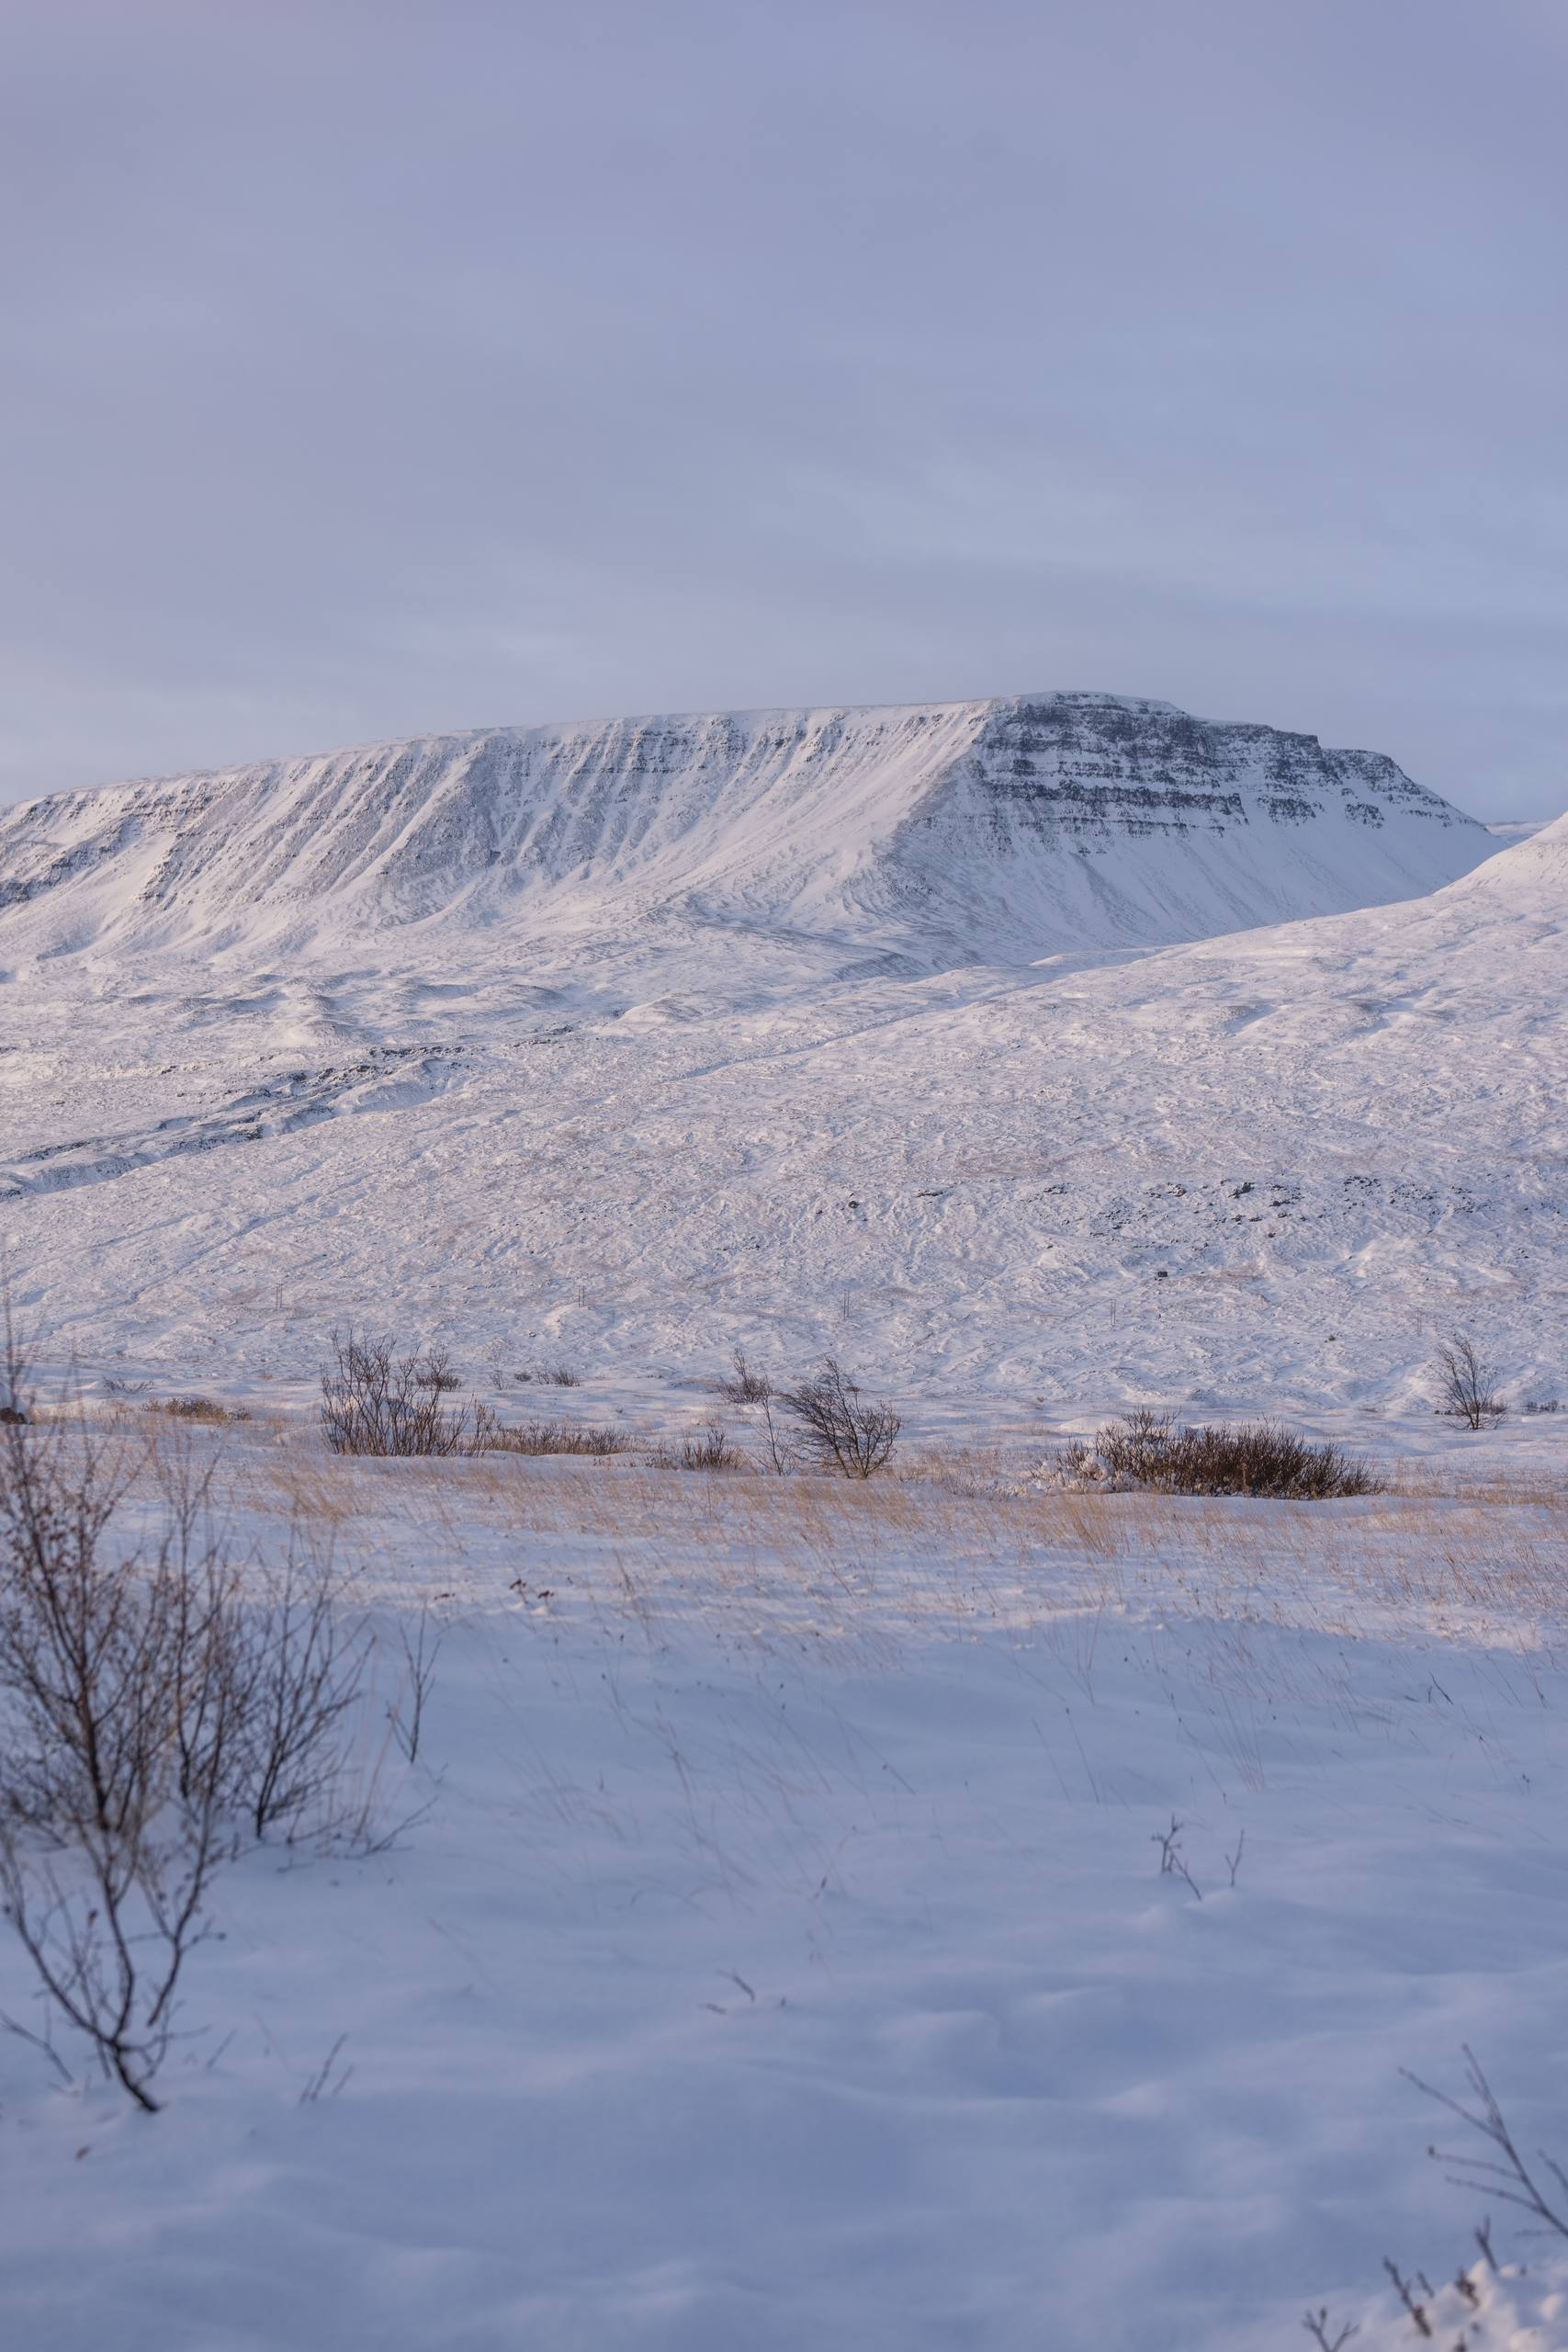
(776, 1953)
(1264, 1171)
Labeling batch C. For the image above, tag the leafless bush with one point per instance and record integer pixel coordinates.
(301, 1660)
(1467, 1383)
(550, 1375)
(150, 1705)
(745, 1386)
(195, 1409)
(434, 1370)
(111, 1806)
(708, 1448)
(1151, 1450)
(780, 1451)
(836, 1426)
(554, 1437)
(375, 1401)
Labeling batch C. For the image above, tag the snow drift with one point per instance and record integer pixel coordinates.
(978, 830)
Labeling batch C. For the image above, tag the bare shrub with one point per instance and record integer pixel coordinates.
(550, 1375)
(300, 1663)
(111, 1807)
(150, 1704)
(195, 1409)
(1151, 1450)
(708, 1448)
(779, 1450)
(1467, 1383)
(745, 1386)
(375, 1401)
(434, 1370)
(836, 1426)
(553, 1437)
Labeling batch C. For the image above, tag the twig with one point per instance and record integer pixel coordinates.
(1511, 2179)
(420, 1656)
(1402, 2288)
(1171, 1864)
(41, 2041)
(320, 2080)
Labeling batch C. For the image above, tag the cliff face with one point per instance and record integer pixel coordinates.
(1003, 829)
(1094, 764)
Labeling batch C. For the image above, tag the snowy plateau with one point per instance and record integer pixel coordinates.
(767, 1945)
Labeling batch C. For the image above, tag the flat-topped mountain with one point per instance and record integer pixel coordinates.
(995, 830)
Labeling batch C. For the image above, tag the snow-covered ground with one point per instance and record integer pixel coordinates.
(1266, 1172)
(777, 1953)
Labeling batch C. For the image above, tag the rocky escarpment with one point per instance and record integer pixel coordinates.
(1003, 829)
(1094, 764)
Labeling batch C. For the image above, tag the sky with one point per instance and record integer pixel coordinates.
(368, 371)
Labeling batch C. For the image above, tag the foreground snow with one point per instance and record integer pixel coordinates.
(777, 1952)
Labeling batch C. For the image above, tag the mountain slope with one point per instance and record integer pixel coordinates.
(1262, 1171)
(981, 831)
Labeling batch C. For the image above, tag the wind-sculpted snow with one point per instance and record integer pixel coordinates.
(388, 1077)
(1267, 1171)
(769, 1926)
(1008, 829)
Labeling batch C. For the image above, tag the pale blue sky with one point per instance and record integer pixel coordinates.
(375, 369)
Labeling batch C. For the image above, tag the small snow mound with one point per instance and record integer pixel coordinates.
(1077, 1470)
(1516, 2308)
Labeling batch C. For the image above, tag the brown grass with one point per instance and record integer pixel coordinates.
(847, 1568)
(554, 1437)
(197, 1408)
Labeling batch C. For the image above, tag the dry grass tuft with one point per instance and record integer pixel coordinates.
(708, 1448)
(197, 1408)
(554, 1437)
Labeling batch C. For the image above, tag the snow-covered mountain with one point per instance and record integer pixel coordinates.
(991, 831)
(1256, 1170)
